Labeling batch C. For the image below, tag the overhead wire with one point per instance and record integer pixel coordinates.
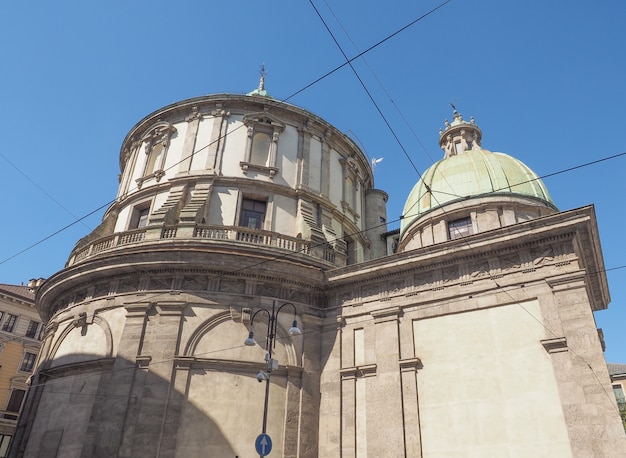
(380, 83)
(272, 104)
(369, 94)
(348, 62)
(429, 190)
(46, 193)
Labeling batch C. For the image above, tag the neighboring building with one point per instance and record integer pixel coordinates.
(20, 328)
(475, 338)
(618, 378)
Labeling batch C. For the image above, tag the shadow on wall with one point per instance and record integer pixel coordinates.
(114, 407)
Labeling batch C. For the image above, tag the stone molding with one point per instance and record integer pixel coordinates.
(366, 370)
(555, 345)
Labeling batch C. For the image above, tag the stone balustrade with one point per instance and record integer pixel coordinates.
(201, 232)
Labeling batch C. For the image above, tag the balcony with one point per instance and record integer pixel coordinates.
(234, 234)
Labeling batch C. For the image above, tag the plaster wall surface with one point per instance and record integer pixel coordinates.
(203, 144)
(488, 383)
(336, 178)
(315, 165)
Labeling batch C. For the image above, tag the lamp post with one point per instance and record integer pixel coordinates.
(272, 321)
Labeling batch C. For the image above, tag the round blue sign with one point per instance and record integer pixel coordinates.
(263, 444)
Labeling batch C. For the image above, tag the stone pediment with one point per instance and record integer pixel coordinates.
(264, 118)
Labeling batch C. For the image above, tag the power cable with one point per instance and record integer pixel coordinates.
(46, 193)
(380, 83)
(270, 102)
(369, 94)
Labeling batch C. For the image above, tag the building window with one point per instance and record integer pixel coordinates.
(350, 191)
(9, 324)
(262, 147)
(619, 394)
(28, 362)
(458, 147)
(15, 404)
(157, 142)
(5, 440)
(139, 218)
(32, 329)
(155, 159)
(252, 213)
(261, 144)
(460, 228)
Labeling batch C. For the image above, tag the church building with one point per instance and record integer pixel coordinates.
(247, 243)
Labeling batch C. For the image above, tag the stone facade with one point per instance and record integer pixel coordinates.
(481, 345)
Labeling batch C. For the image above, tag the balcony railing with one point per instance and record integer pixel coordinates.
(203, 232)
(255, 236)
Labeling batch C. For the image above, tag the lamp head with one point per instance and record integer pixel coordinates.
(262, 376)
(294, 330)
(250, 342)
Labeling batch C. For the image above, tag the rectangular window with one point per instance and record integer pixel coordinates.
(32, 329)
(5, 440)
(458, 147)
(252, 213)
(619, 393)
(155, 160)
(15, 404)
(460, 228)
(9, 324)
(261, 143)
(139, 218)
(28, 362)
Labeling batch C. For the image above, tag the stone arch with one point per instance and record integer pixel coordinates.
(70, 346)
(284, 344)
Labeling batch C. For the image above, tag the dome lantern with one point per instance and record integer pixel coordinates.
(459, 135)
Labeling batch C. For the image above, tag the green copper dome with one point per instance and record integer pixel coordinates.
(469, 171)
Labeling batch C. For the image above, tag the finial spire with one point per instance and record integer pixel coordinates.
(263, 72)
(260, 91)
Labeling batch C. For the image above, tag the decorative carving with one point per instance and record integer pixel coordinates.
(195, 283)
(396, 285)
(424, 280)
(268, 289)
(370, 290)
(80, 320)
(450, 274)
(128, 285)
(542, 255)
(160, 283)
(510, 262)
(232, 286)
(345, 297)
(101, 289)
(194, 115)
(479, 269)
(80, 296)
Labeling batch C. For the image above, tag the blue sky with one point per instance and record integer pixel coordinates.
(544, 81)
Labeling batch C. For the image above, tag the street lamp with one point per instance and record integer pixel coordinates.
(272, 364)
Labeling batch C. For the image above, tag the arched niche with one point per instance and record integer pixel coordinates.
(81, 340)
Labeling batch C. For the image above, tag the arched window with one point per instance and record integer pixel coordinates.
(155, 160)
(262, 147)
(261, 144)
(157, 142)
